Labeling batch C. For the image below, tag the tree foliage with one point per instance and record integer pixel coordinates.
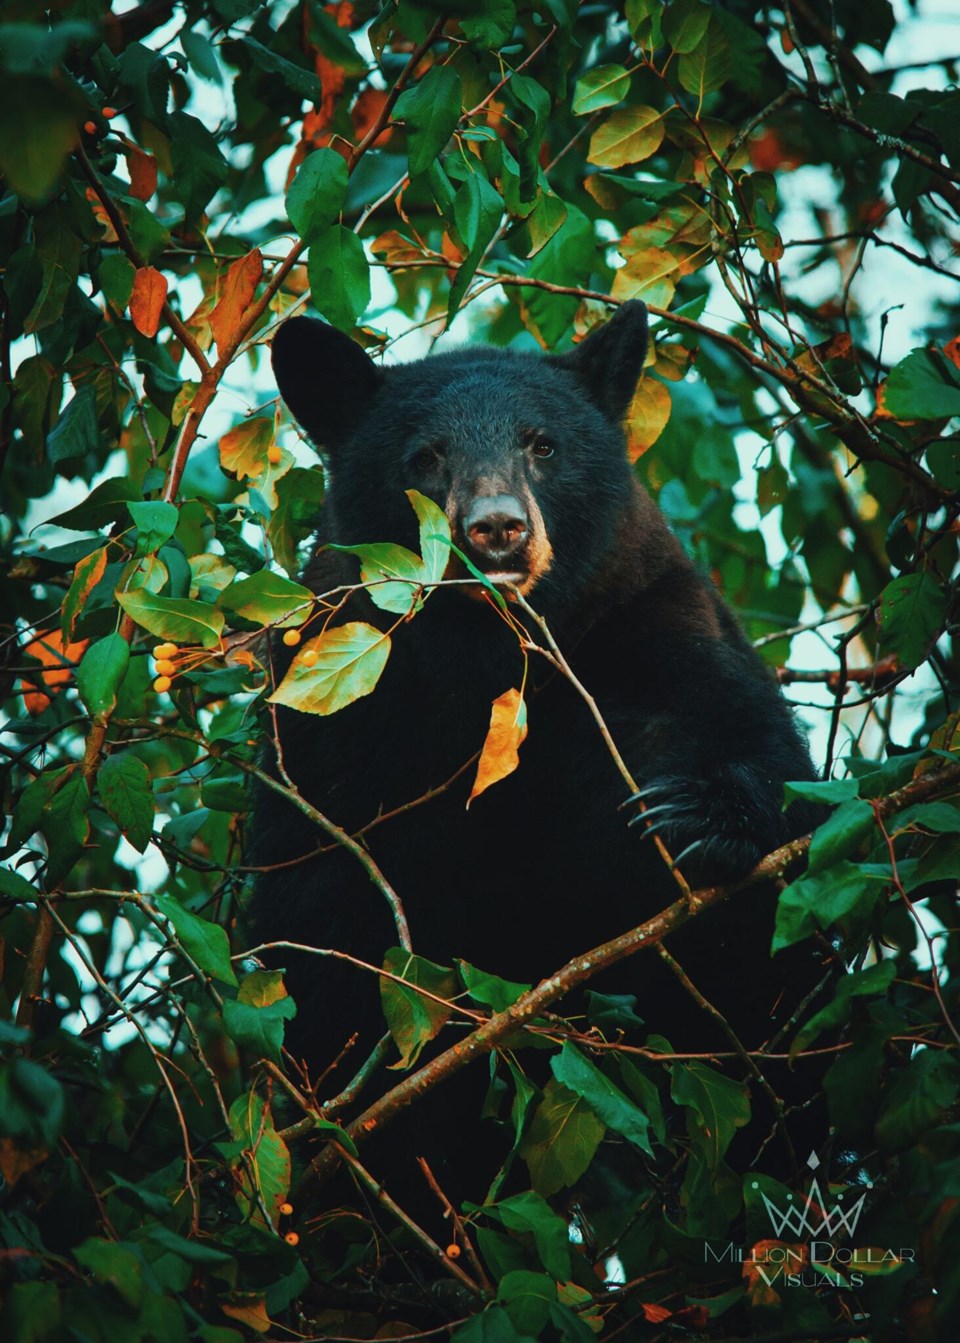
(784, 193)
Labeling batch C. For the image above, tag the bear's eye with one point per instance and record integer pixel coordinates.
(427, 459)
(542, 447)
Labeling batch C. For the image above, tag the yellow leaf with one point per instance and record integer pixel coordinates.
(349, 661)
(647, 417)
(239, 288)
(505, 736)
(628, 135)
(147, 299)
(243, 451)
(650, 274)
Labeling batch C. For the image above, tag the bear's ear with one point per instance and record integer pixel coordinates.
(324, 377)
(610, 360)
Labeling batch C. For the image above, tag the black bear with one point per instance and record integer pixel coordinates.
(526, 456)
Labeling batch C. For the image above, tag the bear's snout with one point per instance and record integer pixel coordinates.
(496, 528)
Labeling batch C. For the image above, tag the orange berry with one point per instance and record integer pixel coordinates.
(165, 667)
(310, 657)
(286, 1209)
(164, 650)
(161, 684)
(274, 455)
(453, 1251)
(90, 127)
(109, 112)
(291, 638)
(292, 1238)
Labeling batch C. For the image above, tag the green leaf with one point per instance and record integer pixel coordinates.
(316, 195)
(174, 618)
(299, 496)
(841, 834)
(708, 65)
(258, 1025)
(101, 670)
(123, 781)
(66, 825)
(561, 1141)
(199, 168)
(430, 112)
(147, 234)
(350, 660)
(492, 1325)
(434, 536)
(339, 276)
(530, 1213)
(720, 1105)
(863, 984)
(297, 78)
(943, 818)
(266, 1171)
(204, 942)
(629, 135)
(202, 55)
(821, 900)
(31, 1104)
(380, 562)
(114, 1265)
(490, 990)
(820, 790)
(267, 598)
(491, 26)
(913, 611)
(413, 1019)
(335, 42)
(105, 504)
(116, 274)
(615, 1110)
(477, 210)
(924, 386)
(155, 524)
(684, 24)
(602, 87)
(76, 432)
(31, 1311)
(15, 887)
(918, 1098)
(58, 247)
(39, 126)
(527, 1298)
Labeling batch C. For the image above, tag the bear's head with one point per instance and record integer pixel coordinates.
(523, 452)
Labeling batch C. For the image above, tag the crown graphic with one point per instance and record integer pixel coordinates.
(812, 1216)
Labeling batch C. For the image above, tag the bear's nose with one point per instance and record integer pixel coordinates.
(495, 526)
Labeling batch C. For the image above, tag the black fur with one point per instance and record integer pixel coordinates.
(545, 864)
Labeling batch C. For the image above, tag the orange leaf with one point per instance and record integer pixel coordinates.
(500, 755)
(147, 300)
(243, 451)
(239, 288)
(142, 168)
(364, 113)
(49, 648)
(647, 417)
(101, 216)
(655, 1314)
